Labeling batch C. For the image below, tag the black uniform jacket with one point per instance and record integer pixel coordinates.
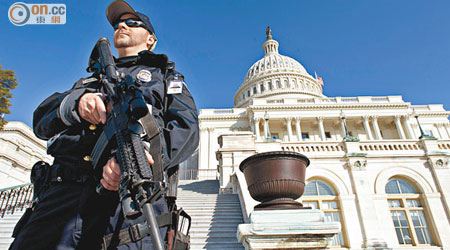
(70, 139)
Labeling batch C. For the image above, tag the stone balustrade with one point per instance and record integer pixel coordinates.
(390, 145)
(308, 147)
(444, 144)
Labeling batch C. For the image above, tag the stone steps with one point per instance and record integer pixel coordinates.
(215, 217)
(7, 224)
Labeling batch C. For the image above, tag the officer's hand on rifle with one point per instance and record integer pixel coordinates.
(92, 108)
(111, 173)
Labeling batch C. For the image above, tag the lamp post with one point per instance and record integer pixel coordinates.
(423, 136)
(347, 136)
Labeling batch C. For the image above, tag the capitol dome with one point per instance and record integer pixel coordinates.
(275, 76)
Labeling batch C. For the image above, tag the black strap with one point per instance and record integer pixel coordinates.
(154, 134)
(135, 232)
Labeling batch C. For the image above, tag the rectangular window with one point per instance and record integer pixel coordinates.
(394, 203)
(413, 203)
(305, 136)
(270, 86)
(254, 90)
(328, 135)
(337, 240)
(329, 205)
(262, 88)
(420, 226)
(248, 93)
(401, 227)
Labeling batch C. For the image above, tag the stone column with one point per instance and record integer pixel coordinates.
(298, 128)
(398, 124)
(408, 127)
(266, 128)
(442, 130)
(367, 127)
(437, 126)
(256, 122)
(343, 127)
(289, 127)
(212, 142)
(447, 125)
(203, 153)
(321, 129)
(376, 128)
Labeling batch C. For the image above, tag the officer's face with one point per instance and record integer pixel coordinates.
(126, 36)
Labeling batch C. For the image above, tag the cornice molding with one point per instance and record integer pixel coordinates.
(231, 117)
(25, 134)
(333, 106)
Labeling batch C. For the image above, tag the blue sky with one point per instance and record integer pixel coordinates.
(360, 48)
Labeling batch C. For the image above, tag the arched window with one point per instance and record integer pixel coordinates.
(319, 195)
(408, 213)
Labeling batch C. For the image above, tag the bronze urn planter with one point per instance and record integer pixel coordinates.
(276, 179)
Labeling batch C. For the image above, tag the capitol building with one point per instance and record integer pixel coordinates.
(379, 164)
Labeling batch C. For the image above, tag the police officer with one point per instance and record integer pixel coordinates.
(69, 213)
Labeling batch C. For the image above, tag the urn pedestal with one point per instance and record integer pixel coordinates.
(277, 179)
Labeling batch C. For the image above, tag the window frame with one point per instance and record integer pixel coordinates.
(320, 199)
(403, 198)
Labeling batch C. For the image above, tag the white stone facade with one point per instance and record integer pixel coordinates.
(297, 117)
(19, 150)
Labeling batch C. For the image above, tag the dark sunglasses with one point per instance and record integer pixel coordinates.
(130, 23)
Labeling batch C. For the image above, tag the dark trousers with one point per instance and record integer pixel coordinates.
(73, 216)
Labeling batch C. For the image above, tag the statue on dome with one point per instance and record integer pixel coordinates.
(269, 33)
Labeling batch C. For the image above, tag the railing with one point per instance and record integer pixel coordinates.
(389, 146)
(15, 198)
(275, 101)
(380, 99)
(316, 147)
(223, 111)
(445, 145)
(349, 99)
(197, 174)
(309, 100)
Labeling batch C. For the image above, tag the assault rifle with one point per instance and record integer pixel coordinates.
(140, 183)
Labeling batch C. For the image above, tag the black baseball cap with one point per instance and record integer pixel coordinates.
(119, 7)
